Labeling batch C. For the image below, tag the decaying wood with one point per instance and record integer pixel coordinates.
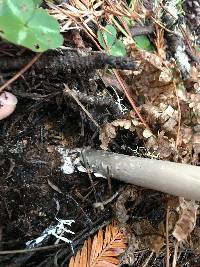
(69, 59)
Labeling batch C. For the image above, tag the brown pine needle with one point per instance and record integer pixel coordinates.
(103, 250)
(130, 99)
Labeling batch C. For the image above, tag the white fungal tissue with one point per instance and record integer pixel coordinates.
(69, 166)
(8, 104)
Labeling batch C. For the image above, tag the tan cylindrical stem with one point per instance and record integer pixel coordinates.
(169, 177)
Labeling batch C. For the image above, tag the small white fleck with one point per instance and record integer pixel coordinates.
(81, 168)
(96, 174)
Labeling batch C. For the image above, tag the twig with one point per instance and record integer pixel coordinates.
(162, 26)
(17, 75)
(105, 202)
(146, 263)
(92, 99)
(68, 91)
(176, 42)
(129, 98)
(179, 116)
(176, 245)
(71, 59)
(141, 30)
(189, 48)
(19, 251)
(167, 237)
(192, 55)
(91, 180)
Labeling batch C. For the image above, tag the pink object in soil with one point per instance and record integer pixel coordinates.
(8, 104)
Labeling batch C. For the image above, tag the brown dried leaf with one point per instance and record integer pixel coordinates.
(187, 219)
(126, 124)
(150, 237)
(159, 42)
(109, 131)
(195, 78)
(106, 135)
(128, 194)
(103, 250)
(153, 59)
(111, 80)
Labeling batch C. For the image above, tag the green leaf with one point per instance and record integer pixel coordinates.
(109, 34)
(142, 42)
(23, 24)
(118, 49)
(20, 9)
(45, 30)
(129, 22)
(37, 3)
(13, 30)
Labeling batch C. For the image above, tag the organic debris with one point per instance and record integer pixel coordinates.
(187, 221)
(127, 80)
(103, 250)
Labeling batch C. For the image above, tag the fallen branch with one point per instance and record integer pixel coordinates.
(141, 30)
(175, 41)
(169, 177)
(70, 59)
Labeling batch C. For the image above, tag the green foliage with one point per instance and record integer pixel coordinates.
(118, 49)
(108, 40)
(142, 42)
(108, 35)
(129, 22)
(37, 2)
(23, 23)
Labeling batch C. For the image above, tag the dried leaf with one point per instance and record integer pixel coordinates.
(111, 81)
(126, 124)
(187, 219)
(128, 194)
(147, 133)
(106, 135)
(103, 250)
(150, 237)
(109, 131)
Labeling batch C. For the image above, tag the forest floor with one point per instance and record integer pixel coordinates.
(150, 110)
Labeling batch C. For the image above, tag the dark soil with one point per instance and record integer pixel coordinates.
(29, 202)
(33, 189)
(44, 118)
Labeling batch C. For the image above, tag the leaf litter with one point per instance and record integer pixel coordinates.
(171, 108)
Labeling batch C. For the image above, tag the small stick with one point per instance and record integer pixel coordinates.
(18, 74)
(19, 251)
(68, 91)
(167, 237)
(131, 101)
(176, 245)
(179, 116)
